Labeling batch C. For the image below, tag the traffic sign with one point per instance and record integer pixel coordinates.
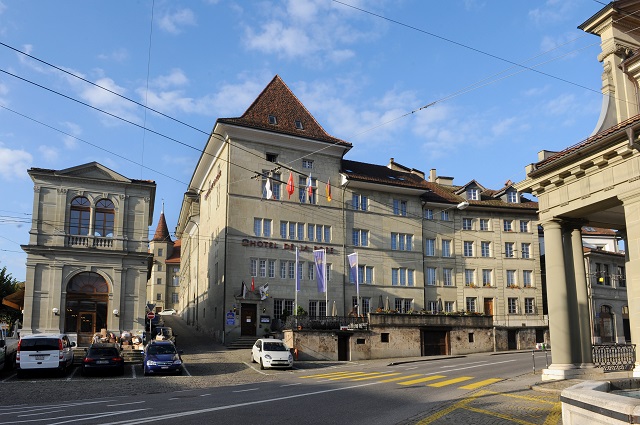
(151, 315)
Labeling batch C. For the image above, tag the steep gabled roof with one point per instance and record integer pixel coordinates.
(473, 182)
(279, 101)
(162, 231)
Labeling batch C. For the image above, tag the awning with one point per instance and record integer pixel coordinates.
(15, 300)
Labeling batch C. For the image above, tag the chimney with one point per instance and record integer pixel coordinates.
(432, 175)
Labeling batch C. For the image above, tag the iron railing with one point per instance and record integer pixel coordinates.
(326, 322)
(612, 357)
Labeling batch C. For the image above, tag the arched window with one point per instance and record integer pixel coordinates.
(105, 214)
(80, 216)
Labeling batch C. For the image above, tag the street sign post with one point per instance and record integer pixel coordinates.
(150, 315)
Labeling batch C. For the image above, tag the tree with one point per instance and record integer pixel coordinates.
(8, 285)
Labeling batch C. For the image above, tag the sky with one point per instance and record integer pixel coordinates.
(471, 88)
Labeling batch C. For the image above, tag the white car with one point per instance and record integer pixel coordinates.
(167, 312)
(44, 351)
(270, 352)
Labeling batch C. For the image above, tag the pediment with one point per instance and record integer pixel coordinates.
(93, 170)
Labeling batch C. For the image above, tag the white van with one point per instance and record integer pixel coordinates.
(44, 351)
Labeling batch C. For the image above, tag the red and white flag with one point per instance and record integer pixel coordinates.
(253, 285)
(309, 189)
(290, 187)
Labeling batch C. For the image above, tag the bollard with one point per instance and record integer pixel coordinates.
(546, 358)
(533, 359)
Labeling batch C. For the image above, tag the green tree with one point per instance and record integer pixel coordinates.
(8, 285)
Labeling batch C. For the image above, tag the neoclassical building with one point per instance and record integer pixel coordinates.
(273, 181)
(87, 256)
(593, 183)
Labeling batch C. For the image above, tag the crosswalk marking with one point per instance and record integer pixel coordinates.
(450, 381)
(353, 376)
(419, 380)
(326, 375)
(479, 384)
(376, 377)
(400, 378)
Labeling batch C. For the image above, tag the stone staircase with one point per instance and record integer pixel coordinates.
(130, 356)
(243, 342)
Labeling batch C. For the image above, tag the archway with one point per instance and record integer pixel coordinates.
(86, 306)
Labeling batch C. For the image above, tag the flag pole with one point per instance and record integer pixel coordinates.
(358, 286)
(295, 289)
(326, 284)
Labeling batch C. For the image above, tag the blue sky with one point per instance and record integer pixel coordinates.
(360, 67)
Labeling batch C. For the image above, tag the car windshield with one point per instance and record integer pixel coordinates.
(275, 346)
(40, 344)
(102, 352)
(161, 349)
(165, 332)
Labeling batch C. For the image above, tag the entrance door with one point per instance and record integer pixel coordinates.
(488, 306)
(248, 313)
(343, 347)
(86, 327)
(512, 339)
(435, 343)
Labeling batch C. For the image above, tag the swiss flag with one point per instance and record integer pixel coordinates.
(290, 187)
(253, 285)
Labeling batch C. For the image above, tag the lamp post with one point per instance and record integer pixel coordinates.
(196, 294)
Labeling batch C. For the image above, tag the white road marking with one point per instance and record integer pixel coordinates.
(244, 391)
(125, 404)
(291, 385)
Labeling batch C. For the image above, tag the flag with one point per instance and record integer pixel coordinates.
(353, 266)
(253, 285)
(244, 290)
(264, 289)
(309, 189)
(297, 270)
(318, 257)
(290, 187)
(267, 188)
(328, 189)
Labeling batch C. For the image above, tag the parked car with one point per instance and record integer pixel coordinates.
(270, 352)
(165, 333)
(162, 357)
(167, 312)
(44, 351)
(103, 357)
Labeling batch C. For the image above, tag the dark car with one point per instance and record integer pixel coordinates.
(164, 333)
(162, 357)
(103, 357)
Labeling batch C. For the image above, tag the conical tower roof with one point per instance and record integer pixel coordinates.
(162, 231)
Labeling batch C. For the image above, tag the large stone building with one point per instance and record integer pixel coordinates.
(87, 256)
(273, 181)
(163, 287)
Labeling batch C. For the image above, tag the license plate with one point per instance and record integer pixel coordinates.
(39, 357)
(164, 367)
(102, 362)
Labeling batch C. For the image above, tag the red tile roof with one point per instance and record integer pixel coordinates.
(162, 231)
(279, 101)
(175, 255)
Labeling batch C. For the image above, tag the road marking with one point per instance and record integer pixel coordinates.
(450, 381)
(376, 377)
(133, 370)
(400, 378)
(75, 370)
(244, 391)
(204, 395)
(356, 375)
(479, 384)
(184, 368)
(140, 420)
(290, 385)
(80, 417)
(324, 375)
(126, 404)
(424, 379)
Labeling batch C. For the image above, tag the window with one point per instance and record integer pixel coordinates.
(262, 227)
(303, 189)
(360, 237)
(275, 184)
(399, 207)
(620, 275)
(446, 248)
(467, 224)
(432, 306)
(292, 230)
(512, 305)
(607, 276)
(384, 337)
(431, 276)
(449, 306)
(485, 249)
(524, 226)
(273, 120)
(469, 277)
(327, 233)
(300, 271)
(527, 280)
(468, 249)
(262, 268)
(428, 214)
(174, 298)
(283, 269)
(508, 250)
(403, 305)
(159, 267)
(80, 216)
(471, 304)
(401, 242)
(402, 276)
(447, 277)
(529, 306)
(444, 215)
(300, 231)
(365, 274)
(283, 229)
(254, 267)
(429, 247)
(105, 214)
(484, 224)
(282, 308)
(366, 304)
(329, 268)
(486, 277)
(299, 125)
(160, 252)
(311, 231)
(292, 270)
(507, 225)
(472, 194)
(511, 278)
(311, 270)
(272, 268)
(317, 308)
(359, 202)
(526, 250)
(307, 163)
(158, 296)
(512, 197)
(159, 281)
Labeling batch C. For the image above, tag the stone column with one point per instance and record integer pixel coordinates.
(584, 316)
(559, 318)
(631, 206)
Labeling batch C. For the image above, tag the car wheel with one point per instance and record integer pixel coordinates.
(179, 372)
(252, 359)
(261, 365)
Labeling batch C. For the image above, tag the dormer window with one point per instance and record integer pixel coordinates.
(472, 194)
(273, 120)
(299, 125)
(512, 197)
(272, 157)
(307, 163)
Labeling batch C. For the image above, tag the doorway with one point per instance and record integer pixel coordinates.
(435, 343)
(86, 306)
(512, 339)
(343, 347)
(488, 306)
(248, 314)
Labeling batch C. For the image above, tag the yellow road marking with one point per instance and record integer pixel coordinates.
(479, 384)
(499, 415)
(419, 380)
(375, 377)
(400, 378)
(459, 405)
(337, 378)
(450, 381)
(556, 414)
(326, 375)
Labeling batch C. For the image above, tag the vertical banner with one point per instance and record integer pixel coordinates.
(320, 261)
(297, 270)
(353, 269)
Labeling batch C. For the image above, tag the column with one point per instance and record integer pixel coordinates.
(632, 219)
(582, 298)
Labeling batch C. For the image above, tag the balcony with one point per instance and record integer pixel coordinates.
(89, 241)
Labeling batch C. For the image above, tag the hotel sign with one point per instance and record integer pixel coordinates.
(285, 246)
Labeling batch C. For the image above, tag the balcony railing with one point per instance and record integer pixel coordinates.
(612, 357)
(89, 241)
(326, 322)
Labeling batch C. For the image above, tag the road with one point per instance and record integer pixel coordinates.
(391, 391)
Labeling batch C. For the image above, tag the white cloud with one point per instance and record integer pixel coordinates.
(504, 126)
(70, 142)
(118, 55)
(13, 162)
(108, 102)
(48, 153)
(173, 22)
(175, 78)
(552, 11)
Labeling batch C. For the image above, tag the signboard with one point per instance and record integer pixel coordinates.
(265, 319)
(231, 318)
(151, 315)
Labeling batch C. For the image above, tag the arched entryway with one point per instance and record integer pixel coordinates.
(606, 325)
(86, 306)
